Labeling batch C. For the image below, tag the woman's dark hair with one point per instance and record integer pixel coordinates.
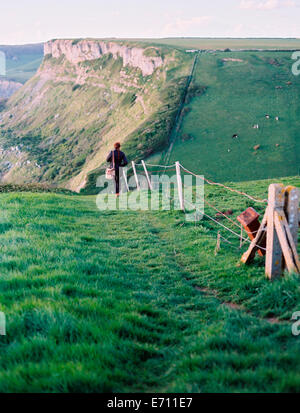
(117, 145)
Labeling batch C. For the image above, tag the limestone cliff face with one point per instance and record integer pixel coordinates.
(79, 51)
(8, 88)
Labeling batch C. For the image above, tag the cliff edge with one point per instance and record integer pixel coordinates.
(83, 50)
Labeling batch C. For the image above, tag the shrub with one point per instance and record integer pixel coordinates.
(186, 137)
(75, 87)
(129, 99)
(194, 91)
(2, 104)
(75, 41)
(152, 52)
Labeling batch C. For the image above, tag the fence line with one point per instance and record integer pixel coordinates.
(224, 226)
(279, 227)
(222, 213)
(160, 166)
(178, 167)
(226, 187)
(206, 180)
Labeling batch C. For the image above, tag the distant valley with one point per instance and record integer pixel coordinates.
(22, 63)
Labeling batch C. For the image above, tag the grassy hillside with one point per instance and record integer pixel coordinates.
(22, 62)
(229, 94)
(134, 301)
(202, 43)
(66, 118)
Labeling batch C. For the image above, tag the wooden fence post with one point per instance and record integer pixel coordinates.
(2, 324)
(179, 183)
(135, 176)
(289, 250)
(147, 175)
(256, 244)
(250, 222)
(125, 179)
(291, 209)
(218, 245)
(280, 224)
(241, 237)
(274, 253)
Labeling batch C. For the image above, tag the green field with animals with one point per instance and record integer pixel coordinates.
(241, 119)
(118, 301)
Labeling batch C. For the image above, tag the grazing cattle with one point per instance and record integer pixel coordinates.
(277, 118)
(267, 116)
(235, 136)
(255, 126)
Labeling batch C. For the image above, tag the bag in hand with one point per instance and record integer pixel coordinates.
(110, 173)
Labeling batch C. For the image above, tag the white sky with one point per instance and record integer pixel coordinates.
(34, 21)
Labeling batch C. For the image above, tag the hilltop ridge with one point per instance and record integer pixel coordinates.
(84, 50)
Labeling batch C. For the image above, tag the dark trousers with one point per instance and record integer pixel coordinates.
(117, 180)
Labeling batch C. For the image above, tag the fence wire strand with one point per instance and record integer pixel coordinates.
(239, 236)
(225, 187)
(226, 228)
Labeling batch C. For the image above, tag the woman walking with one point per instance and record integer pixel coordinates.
(117, 160)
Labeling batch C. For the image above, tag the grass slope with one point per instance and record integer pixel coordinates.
(106, 301)
(230, 93)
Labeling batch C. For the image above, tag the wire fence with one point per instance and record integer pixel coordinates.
(225, 187)
(231, 231)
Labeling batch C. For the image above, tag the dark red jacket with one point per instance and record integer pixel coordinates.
(120, 159)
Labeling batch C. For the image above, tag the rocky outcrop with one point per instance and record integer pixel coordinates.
(79, 51)
(8, 88)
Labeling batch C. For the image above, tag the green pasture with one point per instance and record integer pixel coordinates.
(117, 301)
(229, 43)
(237, 91)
